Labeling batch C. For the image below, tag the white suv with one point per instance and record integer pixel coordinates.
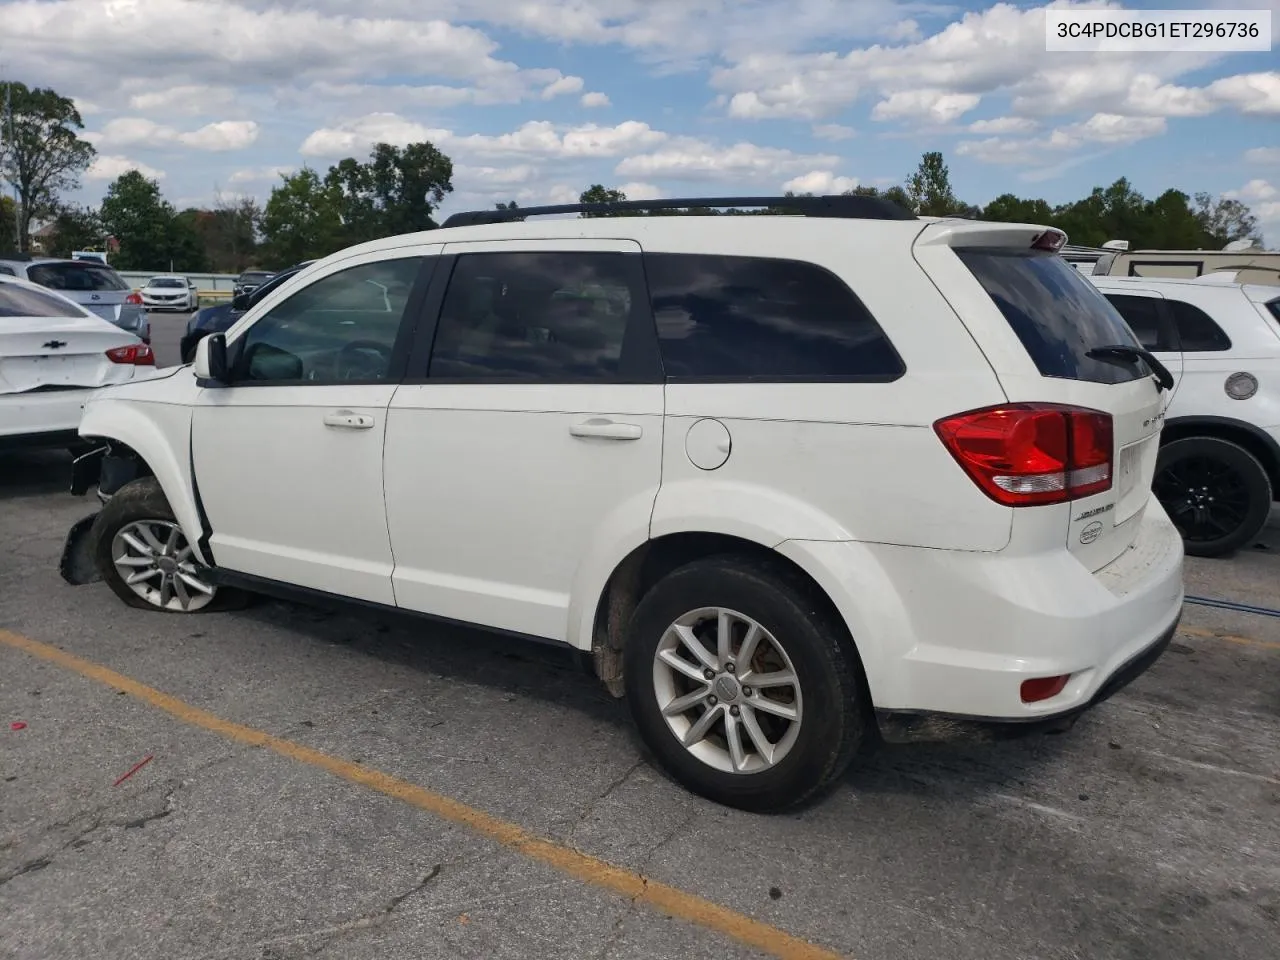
(1219, 466)
(791, 483)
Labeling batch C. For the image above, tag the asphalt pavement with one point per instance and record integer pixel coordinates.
(317, 784)
(166, 332)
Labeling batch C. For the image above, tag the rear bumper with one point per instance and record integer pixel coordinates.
(42, 418)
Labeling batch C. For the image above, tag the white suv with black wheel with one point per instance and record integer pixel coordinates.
(1219, 466)
(789, 483)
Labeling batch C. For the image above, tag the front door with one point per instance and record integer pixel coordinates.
(530, 437)
(288, 457)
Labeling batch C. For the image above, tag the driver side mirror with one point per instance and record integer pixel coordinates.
(211, 360)
(241, 302)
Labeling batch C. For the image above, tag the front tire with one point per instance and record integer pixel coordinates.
(742, 685)
(1216, 493)
(143, 555)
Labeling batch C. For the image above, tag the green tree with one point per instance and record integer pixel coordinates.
(138, 216)
(396, 191)
(77, 228)
(8, 224)
(1224, 221)
(1008, 208)
(302, 219)
(598, 193)
(929, 189)
(893, 194)
(40, 152)
(509, 205)
(187, 249)
(228, 233)
(1171, 224)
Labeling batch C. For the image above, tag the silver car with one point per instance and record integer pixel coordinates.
(90, 283)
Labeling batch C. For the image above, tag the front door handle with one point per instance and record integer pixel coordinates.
(607, 429)
(348, 420)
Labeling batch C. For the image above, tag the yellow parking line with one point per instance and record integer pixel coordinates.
(627, 883)
(1228, 638)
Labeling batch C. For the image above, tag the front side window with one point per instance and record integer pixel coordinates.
(340, 328)
(554, 317)
(756, 318)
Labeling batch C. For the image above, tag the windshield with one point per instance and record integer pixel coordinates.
(79, 276)
(166, 282)
(1057, 314)
(18, 301)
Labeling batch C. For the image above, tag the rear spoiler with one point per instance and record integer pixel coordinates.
(977, 233)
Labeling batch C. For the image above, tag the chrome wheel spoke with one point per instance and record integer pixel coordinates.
(155, 561)
(779, 678)
(749, 644)
(683, 704)
(142, 575)
(733, 734)
(195, 584)
(128, 561)
(724, 638)
(677, 662)
(694, 646)
(700, 729)
(139, 546)
(180, 589)
(174, 536)
(149, 535)
(784, 710)
(758, 739)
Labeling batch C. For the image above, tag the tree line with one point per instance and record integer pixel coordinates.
(310, 214)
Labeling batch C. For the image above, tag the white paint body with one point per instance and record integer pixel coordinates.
(510, 505)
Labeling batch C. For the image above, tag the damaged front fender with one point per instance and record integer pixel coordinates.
(77, 565)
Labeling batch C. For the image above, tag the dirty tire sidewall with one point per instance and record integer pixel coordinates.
(1251, 471)
(834, 723)
(141, 499)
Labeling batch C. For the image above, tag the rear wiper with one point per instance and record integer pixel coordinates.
(1128, 352)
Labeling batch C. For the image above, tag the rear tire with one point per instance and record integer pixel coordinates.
(742, 753)
(137, 525)
(1216, 493)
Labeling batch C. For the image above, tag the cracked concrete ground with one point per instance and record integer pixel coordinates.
(1148, 831)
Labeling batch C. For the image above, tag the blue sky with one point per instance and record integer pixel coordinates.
(536, 99)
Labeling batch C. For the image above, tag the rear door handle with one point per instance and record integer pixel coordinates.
(607, 429)
(348, 420)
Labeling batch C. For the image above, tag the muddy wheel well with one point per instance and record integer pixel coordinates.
(652, 561)
(121, 465)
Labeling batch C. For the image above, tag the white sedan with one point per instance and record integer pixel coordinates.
(53, 355)
(169, 293)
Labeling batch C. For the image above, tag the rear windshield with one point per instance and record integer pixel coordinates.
(74, 277)
(1057, 314)
(18, 301)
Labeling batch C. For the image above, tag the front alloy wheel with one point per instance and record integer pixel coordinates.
(727, 690)
(156, 562)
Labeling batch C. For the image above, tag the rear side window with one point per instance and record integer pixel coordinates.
(75, 277)
(1196, 329)
(18, 301)
(1273, 306)
(1147, 320)
(753, 318)
(1057, 314)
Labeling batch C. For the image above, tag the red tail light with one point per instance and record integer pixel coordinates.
(1043, 688)
(134, 298)
(139, 354)
(1027, 454)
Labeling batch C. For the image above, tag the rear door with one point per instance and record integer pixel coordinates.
(1152, 321)
(1037, 320)
(94, 286)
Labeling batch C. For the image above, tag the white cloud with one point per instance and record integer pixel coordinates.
(636, 190)
(1105, 129)
(559, 88)
(833, 131)
(820, 182)
(260, 175)
(694, 160)
(480, 178)
(935, 106)
(1250, 92)
(1113, 128)
(86, 108)
(1255, 191)
(1263, 155)
(358, 136)
(595, 99)
(109, 167)
(902, 30)
(185, 99)
(1003, 125)
(139, 131)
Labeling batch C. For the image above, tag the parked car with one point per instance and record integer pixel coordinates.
(221, 316)
(170, 293)
(1219, 466)
(90, 283)
(53, 354)
(249, 280)
(788, 483)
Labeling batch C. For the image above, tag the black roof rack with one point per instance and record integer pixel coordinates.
(840, 206)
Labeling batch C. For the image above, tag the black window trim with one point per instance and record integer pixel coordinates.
(1167, 319)
(887, 377)
(400, 350)
(639, 344)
